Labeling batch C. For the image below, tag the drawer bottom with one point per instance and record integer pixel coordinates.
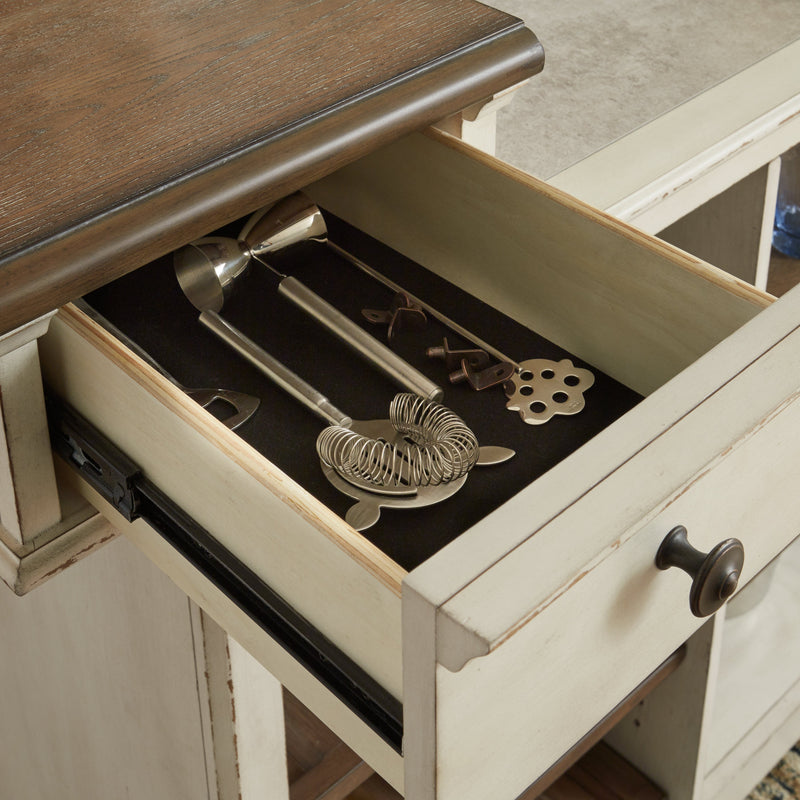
(149, 307)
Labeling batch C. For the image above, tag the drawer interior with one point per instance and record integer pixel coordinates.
(633, 306)
(149, 307)
(561, 284)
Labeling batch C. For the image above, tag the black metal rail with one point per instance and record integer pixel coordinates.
(120, 481)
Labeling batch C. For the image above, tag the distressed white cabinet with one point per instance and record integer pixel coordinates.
(508, 645)
(700, 169)
(113, 681)
(548, 612)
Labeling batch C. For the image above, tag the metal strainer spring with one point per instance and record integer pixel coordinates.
(431, 445)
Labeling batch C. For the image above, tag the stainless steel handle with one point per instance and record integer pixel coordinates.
(399, 370)
(276, 371)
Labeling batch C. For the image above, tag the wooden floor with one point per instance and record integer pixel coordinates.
(601, 774)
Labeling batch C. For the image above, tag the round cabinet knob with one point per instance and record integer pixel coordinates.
(715, 575)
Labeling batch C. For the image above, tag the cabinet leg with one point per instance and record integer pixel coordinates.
(28, 496)
(246, 730)
(43, 529)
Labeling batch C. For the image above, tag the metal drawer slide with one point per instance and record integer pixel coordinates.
(120, 481)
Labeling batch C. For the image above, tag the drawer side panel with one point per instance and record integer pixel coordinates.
(316, 563)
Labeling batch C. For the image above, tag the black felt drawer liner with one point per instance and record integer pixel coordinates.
(149, 307)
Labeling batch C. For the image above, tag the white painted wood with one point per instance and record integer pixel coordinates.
(761, 748)
(419, 714)
(24, 573)
(260, 732)
(760, 662)
(41, 531)
(330, 574)
(183, 453)
(99, 686)
(247, 723)
(480, 132)
(689, 452)
(727, 231)
(24, 334)
(636, 308)
(701, 168)
(474, 550)
(670, 166)
(79, 533)
(697, 174)
(218, 704)
(486, 543)
(759, 237)
(640, 305)
(768, 223)
(456, 644)
(733, 230)
(28, 494)
(664, 736)
(429, 223)
(331, 711)
(770, 136)
(477, 124)
(218, 745)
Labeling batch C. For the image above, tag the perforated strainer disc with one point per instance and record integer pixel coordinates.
(542, 388)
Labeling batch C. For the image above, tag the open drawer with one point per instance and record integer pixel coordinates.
(514, 639)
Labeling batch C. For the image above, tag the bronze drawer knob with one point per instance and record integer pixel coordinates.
(715, 575)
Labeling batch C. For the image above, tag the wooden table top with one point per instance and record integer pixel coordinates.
(130, 129)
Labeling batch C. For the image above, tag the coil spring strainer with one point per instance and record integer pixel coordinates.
(433, 446)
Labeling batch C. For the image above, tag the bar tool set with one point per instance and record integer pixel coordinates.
(208, 269)
(419, 456)
(423, 453)
(536, 388)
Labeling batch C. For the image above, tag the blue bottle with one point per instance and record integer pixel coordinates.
(786, 234)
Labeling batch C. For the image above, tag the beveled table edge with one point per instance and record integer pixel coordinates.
(58, 269)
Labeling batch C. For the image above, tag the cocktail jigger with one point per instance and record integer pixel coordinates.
(208, 268)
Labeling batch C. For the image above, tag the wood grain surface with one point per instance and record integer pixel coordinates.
(129, 129)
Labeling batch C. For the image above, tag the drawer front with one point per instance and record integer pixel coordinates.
(575, 646)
